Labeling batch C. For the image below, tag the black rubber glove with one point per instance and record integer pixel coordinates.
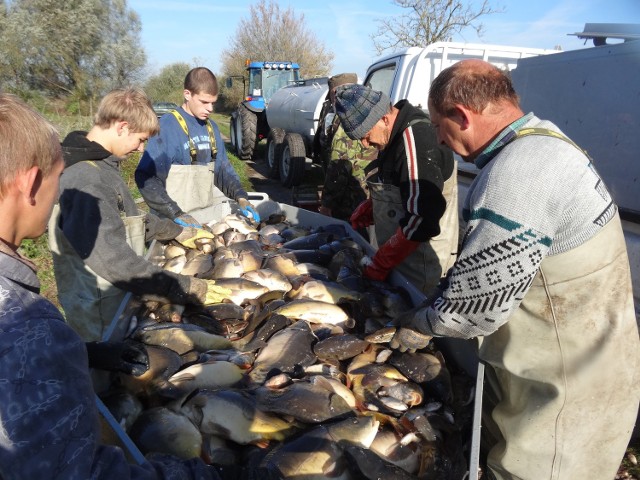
(127, 357)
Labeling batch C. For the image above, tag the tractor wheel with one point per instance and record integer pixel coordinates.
(274, 142)
(292, 160)
(232, 132)
(246, 129)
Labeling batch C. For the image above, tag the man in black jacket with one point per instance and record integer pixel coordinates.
(413, 200)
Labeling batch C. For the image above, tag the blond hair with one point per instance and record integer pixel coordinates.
(27, 139)
(130, 105)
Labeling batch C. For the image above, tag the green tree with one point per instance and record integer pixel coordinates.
(429, 21)
(76, 47)
(270, 33)
(121, 55)
(168, 84)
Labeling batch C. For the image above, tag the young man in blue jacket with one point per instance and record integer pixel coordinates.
(185, 173)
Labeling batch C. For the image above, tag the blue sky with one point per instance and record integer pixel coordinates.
(195, 31)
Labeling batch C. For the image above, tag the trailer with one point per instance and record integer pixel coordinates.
(293, 116)
(459, 353)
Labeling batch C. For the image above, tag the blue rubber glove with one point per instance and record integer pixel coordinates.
(186, 220)
(250, 213)
(248, 210)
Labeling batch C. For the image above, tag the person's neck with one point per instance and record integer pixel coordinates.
(101, 136)
(8, 247)
(185, 107)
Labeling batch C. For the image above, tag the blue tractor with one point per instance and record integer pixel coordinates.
(248, 124)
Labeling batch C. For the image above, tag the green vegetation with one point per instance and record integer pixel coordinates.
(74, 51)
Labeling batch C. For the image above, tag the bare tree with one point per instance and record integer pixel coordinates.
(429, 21)
(269, 33)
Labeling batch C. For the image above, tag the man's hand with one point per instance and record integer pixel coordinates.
(128, 357)
(362, 216)
(186, 220)
(216, 293)
(189, 235)
(390, 254)
(409, 335)
(408, 340)
(248, 210)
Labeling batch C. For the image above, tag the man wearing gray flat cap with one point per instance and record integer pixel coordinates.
(413, 197)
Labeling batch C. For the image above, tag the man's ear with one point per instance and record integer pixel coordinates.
(186, 94)
(120, 125)
(28, 183)
(461, 116)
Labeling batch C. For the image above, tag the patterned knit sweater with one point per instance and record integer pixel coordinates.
(535, 196)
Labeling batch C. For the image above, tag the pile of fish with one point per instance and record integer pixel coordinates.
(293, 372)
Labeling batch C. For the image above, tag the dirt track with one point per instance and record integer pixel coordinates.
(304, 196)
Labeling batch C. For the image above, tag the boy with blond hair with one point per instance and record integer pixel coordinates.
(98, 235)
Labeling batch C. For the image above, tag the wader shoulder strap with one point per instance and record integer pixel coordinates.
(193, 152)
(523, 132)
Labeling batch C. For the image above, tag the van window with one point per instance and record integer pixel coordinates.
(382, 79)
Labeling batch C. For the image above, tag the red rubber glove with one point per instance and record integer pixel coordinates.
(362, 216)
(390, 254)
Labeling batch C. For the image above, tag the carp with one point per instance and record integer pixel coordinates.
(181, 338)
(326, 291)
(171, 251)
(176, 264)
(242, 290)
(284, 350)
(198, 266)
(271, 279)
(318, 452)
(234, 415)
(306, 401)
(313, 311)
(210, 375)
(340, 347)
(162, 430)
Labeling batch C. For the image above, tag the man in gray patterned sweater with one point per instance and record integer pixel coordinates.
(543, 279)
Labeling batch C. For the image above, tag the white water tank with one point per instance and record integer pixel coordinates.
(296, 108)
